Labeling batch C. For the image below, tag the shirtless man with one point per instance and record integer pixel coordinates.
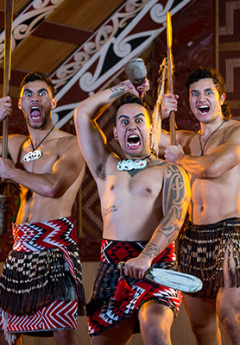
(42, 273)
(143, 204)
(211, 157)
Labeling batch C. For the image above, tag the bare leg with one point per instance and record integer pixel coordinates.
(118, 335)
(66, 337)
(228, 305)
(155, 323)
(204, 320)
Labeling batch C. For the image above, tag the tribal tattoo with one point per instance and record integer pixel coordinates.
(117, 91)
(175, 203)
(151, 250)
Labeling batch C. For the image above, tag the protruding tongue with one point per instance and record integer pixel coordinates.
(35, 113)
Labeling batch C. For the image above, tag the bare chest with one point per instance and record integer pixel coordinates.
(145, 183)
(39, 161)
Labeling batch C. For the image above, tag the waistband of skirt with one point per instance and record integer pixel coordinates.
(44, 235)
(225, 222)
(113, 251)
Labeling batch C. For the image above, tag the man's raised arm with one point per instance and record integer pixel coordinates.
(91, 139)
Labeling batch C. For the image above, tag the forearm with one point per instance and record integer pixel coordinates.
(166, 233)
(196, 166)
(43, 184)
(95, 105)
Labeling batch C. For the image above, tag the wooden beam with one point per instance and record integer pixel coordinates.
(62, 33)
(55, 31)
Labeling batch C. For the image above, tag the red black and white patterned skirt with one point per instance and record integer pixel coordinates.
(106, 308)
(41, 285)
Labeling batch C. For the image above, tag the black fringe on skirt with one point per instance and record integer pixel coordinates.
(33, 280)
(202, 250)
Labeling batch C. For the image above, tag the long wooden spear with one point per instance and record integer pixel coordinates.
(5, 186)
(7, 66)
(170, 77)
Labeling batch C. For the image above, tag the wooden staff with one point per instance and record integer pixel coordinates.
(170, 77)
(6, 187)
(7, 66)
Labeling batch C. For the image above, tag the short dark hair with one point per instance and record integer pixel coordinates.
(131, 99)
(32, 76)
(208, 72)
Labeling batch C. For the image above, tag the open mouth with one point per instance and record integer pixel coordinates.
(133, 140)
(35, 113)
(204, 109)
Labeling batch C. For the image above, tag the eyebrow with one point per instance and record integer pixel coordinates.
(127, 117)
(207, 89)
(40, 90)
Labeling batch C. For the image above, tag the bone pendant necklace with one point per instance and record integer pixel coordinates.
(35, 154)
(130, 164)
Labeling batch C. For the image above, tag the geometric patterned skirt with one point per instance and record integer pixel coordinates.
(202, 250)
(41, 285)
(116, 296)
(57, 315)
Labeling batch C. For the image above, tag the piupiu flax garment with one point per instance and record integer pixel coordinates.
(202, 250)
(41, 285)
(112, 300)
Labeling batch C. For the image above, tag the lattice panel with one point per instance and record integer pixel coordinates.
(229, 51)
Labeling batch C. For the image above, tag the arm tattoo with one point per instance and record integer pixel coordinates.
(151, 250)
(174, 201)
(117, 91)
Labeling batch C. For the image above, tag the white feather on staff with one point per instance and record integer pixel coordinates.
(156, 115)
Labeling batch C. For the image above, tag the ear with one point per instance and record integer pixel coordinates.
(54, 103)
(115, 132)
(151, 128)
(222, 98)
(19, 104)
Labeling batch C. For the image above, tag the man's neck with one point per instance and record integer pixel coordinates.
(209, 127)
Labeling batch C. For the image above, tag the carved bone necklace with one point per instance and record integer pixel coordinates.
(130, 164)
(35, 154)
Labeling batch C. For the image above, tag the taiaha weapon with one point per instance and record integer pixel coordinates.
(6, 187)
(170, 77)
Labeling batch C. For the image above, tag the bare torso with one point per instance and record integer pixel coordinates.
(132, 205)
(214, 199)
(35, 207)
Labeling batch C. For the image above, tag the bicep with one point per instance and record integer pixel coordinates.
(176, 192)
(67, 168)
(224, 158)
(92, 141)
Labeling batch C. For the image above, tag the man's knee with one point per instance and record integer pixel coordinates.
(155, 321)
